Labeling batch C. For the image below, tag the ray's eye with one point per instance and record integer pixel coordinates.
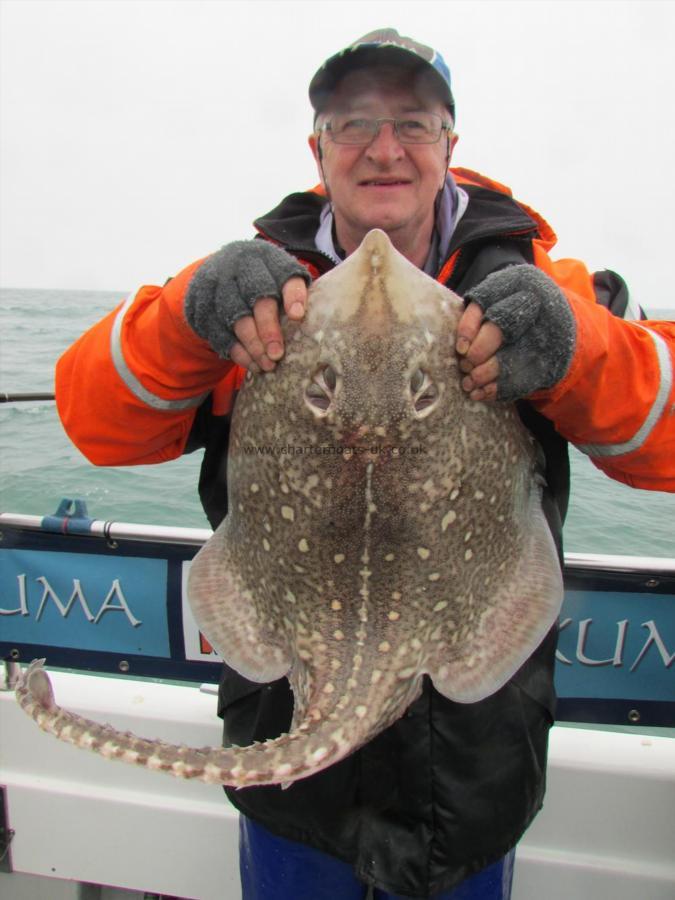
(417, 380)
(329, 377)
(321, 390)
(317, 397)
(424, 392)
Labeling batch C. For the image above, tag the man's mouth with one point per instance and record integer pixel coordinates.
(383, 182)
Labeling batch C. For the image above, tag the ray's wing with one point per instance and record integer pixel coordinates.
(519, 606)
(226, 614)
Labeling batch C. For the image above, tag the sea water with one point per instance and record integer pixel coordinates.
(39, 465)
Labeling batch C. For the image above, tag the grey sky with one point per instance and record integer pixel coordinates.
(139, 136)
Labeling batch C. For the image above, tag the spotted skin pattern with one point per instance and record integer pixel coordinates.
(382, 526)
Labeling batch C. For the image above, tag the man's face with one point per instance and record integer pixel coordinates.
(386, 184)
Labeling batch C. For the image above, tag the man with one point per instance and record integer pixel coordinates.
(434, 805)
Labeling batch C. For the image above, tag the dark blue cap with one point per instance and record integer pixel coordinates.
(383, 45)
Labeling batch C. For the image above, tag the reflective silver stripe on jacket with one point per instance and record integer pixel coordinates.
(659, 404)
(128, 376)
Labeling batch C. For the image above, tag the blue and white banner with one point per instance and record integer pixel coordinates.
(616, 644)
(84, 602)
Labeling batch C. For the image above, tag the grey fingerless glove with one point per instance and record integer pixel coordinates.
(227, 284)
(538, 327)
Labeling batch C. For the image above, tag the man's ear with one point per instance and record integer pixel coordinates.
(315, 147)
(452, 141)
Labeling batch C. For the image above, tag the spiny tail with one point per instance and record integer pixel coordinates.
(310, 748)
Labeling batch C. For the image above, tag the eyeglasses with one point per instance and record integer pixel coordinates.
(420, 128)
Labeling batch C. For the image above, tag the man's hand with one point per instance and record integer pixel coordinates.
(260, 343)
(516, 336)
(233, 301)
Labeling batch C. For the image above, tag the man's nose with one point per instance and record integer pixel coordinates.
(385, 145)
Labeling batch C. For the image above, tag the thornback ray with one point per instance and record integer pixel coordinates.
(381, 527)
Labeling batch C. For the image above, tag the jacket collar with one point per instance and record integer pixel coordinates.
(488, 214)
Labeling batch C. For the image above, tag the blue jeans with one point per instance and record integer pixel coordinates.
(274, 868)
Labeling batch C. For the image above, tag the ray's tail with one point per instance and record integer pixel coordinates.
(309, 748)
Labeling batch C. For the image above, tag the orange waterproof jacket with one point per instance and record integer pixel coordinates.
(128, 390)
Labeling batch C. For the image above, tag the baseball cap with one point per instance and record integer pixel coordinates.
(383, 45)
